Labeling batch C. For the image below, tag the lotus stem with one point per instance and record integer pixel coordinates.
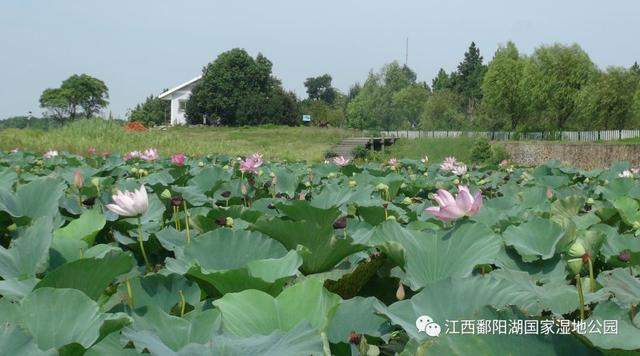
(325, 344)
(175, 217)
(144, 253)
(182, 303)
(129, 294)
(580, 295)
(592, 280)
(186, 221)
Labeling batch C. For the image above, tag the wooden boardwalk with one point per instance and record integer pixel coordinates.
(346, 146)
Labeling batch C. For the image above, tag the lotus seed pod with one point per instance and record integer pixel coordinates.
(382, 186)
(575, 265)
(577, 250)
(393, 168)
(425, 174)
(587, 180)
(456, 181)
(332, 175)
(590, 201)
(229, 221)
(200, 164)
(352, 183)
(166, 194)
(271, 174)
(407, 201)
(403, 185)
(95, 181)
(12, 227)
(391, 217)
(134, 170)
(307, 184)
(606, 182)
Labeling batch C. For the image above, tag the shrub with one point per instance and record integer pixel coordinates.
(499, 153)
(360, 152)
(481, 151)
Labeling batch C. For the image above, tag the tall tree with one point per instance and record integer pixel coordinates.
(502, 89)
(409, 103)
(606, 102)
(442, 81)
(154, 111)
(553, 77)
(467, 80)
(319, 88)
(235, 90)
(635, 68)
(78, 93)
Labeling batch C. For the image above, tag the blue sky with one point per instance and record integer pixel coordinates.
(139, 47)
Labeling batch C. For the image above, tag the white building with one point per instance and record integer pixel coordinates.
(179, 96)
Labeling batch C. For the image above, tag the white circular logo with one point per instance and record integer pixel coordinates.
(425, 323)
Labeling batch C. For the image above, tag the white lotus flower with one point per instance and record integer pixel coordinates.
(130, 204)
(50, 154)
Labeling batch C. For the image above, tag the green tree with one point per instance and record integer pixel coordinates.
(235, 90)
(78, 93)
(373, 105)
(442, 81)
(635, 68)
(606, 102)
(154, 111)
(282, 108)
(553, 77)
(467, 80)
(319, 88)
(409, 103)
(443, 112)
(503, 100)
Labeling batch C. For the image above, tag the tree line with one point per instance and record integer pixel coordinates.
(557, 87)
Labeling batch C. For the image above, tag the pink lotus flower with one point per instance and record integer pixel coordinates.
(340, 161)
(450, 208)
(393, 162)
(178, 159)
(251, 164)
(91, 150)
(150, 154)
(130, 204)
(449, 164)
(130, 155)
(626, 174)
(459, 169)
(15, 150)
(50, 154)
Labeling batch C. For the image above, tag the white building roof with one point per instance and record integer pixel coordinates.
(172, 90)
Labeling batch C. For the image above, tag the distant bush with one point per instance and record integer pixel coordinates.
(24, 122)
(154, 111)
(481, 150)
(360, 152)
(499, 153)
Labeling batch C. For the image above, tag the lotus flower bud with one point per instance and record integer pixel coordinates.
(577, 250)
(587, 180)
(400, 292)
(260, 173)
(166, 194)
(229, 221)
(407, 201)
(426, 174)
(549, 192)
(590, 201)
(243, 189)
(200, 164)
(307, 184)
(95, 181)
(382, 186)
(271, 174)
(624, 256)
(456, 181)
(354, 338)
(78, 180)
(177, 201)
(352, 183)
(340, 223)
(225, 167)
(575, 265)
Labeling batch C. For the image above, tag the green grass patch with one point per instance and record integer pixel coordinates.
(275, 142)
(436, 148)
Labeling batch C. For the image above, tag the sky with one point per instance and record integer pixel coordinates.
(139, 47)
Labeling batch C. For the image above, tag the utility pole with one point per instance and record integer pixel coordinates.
(406, 53)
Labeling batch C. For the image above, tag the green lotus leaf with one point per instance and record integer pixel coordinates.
(536, 238)
(29, 253)
(35, 199)
(627, 333)
(89, 275)
(71, 241)
(15, 341)
(160, 291)
(432, 256)
(359, 315)
(252, 312)
(233, 260)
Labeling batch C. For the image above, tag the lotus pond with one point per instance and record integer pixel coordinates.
(216, 256)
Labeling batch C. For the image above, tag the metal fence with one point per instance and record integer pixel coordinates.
(606, 135)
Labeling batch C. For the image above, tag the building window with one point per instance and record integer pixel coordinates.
(182, 105)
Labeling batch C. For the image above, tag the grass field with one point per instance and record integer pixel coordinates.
(276, 143)
(436, 148)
